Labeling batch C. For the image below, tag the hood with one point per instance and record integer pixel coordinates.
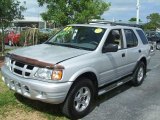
(49, 53)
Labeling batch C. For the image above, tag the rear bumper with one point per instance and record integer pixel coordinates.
(54, 93)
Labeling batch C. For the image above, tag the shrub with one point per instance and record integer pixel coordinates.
(0, 41)
(41, 37)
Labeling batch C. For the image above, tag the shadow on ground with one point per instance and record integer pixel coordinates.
(54, 110)
(50, 109)
(113, 93)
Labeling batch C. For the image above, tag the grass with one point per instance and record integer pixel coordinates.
(15, 106)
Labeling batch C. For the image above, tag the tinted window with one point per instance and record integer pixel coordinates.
(131, 38)
(142, 36)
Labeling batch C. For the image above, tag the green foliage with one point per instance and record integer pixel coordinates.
(9, 10)
(154, 18)
(64, 12)
(154, 21)
(0, 41)
(133, 19)
(42, 37)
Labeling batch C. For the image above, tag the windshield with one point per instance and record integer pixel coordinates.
(87, 38)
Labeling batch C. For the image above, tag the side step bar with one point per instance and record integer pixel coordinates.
(114, 85)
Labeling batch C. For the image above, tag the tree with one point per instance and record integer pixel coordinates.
(133, 19)
(153, 21)
(9, 10)
(64, 12)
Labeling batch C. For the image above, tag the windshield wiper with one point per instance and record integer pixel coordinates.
(77, 47)
(68, 45)
(53, 43)
(60, 44)
(72, 46)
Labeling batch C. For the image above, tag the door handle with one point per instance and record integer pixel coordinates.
(139, 51)
(123, 54)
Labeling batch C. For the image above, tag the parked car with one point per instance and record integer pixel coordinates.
(76, 65)
(46, 30)
(12, 38)
(154, 36)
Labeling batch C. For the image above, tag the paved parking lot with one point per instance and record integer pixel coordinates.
(132, 103)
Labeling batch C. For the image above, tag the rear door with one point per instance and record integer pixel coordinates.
(133, 49)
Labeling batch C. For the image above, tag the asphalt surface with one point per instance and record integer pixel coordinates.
(132, 103)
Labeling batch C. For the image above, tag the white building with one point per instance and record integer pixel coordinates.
(30, 22)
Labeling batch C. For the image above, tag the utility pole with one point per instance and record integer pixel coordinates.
(138, 7)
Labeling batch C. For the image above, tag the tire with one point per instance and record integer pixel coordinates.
(80, 99)
(139, 74)
(158, 46)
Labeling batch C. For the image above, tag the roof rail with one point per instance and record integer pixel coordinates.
(115, 23)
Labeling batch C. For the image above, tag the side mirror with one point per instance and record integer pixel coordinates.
(110, 48)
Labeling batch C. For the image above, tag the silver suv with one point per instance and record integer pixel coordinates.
(76, 65)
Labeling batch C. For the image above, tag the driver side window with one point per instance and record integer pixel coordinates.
(115, 37)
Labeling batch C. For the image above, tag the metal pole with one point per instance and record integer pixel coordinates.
(138, 7)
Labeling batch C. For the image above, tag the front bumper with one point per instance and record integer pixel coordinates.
(54, 93)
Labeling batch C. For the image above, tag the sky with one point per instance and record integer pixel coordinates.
(119, 10)
(126, 9)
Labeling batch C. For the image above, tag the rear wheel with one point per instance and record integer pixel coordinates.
(80, 99)
(158, 46)
(139, 74)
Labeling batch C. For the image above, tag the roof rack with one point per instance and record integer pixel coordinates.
(131, 24)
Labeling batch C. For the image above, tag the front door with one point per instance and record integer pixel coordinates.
(114, 63)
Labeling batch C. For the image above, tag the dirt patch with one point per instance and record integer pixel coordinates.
(1, 61)
(1, 57)
(19, 114)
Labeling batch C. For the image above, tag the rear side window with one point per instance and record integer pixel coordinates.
(142, 36)
(131, 38)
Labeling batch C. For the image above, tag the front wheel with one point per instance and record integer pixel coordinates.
(139, 74)
(80, 99)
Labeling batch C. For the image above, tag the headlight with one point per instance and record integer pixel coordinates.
(48, 74)
(43, 73)
(7, 62)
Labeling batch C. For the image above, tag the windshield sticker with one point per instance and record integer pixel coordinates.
(68, 28)
(98, 30)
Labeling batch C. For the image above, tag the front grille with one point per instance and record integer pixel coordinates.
(19, 64)
(18, 71)
(21, 69)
